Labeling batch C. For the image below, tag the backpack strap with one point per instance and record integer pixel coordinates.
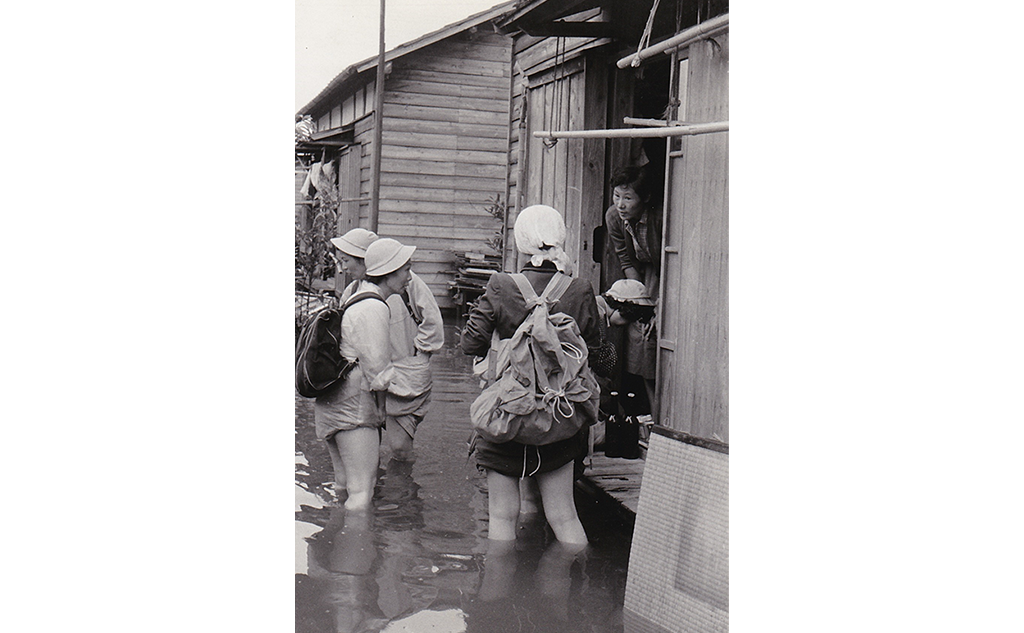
(413, 311)
(356, 298)
(556, 288)
(526, 288)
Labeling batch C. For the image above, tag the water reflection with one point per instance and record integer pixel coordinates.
(384, 571)
(527, 588)
(421, 560)
(340, 560)
(400, 511)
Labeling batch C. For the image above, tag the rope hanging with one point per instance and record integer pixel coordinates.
(556, 106)
(645, 39)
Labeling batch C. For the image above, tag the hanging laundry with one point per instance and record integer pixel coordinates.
(312, 183)
(327, 174)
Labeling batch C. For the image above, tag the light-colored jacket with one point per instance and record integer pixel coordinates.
(421, 331)
(415, 336)
(365, 337)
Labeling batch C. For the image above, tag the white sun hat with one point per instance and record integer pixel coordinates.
(355, 242)
(630, 291)
(386, 256)
(539, 232)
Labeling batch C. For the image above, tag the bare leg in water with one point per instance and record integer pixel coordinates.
(502, 506)
(556, 493)
(359, 451)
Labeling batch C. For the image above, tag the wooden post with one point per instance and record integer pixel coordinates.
(378, 129)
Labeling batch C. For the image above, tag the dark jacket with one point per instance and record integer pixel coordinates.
(503, 308)
(622, 243)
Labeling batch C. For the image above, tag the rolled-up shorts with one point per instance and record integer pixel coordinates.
(408, 412)
(349, 405)
(513, 459)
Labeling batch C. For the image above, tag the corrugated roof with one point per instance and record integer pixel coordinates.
(349, 76)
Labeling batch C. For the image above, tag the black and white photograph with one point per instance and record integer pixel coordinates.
(515, 227)
(603, 316)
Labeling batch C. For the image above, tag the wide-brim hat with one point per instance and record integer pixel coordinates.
(630, 291)
(385, 256)
(355, 242)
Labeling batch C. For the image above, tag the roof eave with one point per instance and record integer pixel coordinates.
(349, 76)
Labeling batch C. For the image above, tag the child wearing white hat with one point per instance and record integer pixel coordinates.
(633, 309)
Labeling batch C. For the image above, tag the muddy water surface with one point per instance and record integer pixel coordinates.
(420, 561)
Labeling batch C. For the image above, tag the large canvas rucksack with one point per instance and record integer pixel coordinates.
(319, 364)
(541, 388)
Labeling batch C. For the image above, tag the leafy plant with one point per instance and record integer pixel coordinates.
(497, 209)
(313, 245)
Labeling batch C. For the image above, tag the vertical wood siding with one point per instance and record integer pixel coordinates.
(693, 389)
(558, 86)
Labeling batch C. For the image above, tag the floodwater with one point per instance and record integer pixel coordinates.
(420, 560)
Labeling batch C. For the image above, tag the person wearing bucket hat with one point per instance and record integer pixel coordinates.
(385, 256)
(540, 233)
(355, 242)
(350, 249)
(416, 330)
(348, 417)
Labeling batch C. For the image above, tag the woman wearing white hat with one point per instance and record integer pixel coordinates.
(350, 249)
(540, 233)
(417, 331)
(349, 417)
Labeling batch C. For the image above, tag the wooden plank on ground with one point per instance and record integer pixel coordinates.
(619, 478)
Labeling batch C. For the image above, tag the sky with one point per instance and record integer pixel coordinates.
(331, 35)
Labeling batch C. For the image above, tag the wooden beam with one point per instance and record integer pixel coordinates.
(543, 10)
(571, 29)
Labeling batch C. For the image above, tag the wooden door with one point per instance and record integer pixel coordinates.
(348, 188)
(568, 174)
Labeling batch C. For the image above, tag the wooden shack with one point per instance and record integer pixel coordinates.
(566, 79)
(444, 143)
(598, 84)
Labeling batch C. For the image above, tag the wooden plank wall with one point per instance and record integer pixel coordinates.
(363, 139)
(349, 176)
(556, 86)
(693, 366)
(445, 140)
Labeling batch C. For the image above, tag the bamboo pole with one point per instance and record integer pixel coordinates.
(643, 132)
(378, 129)
(701, 31)
(648, 122)
(654, 122)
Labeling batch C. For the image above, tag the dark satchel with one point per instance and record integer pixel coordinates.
(319, 364)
